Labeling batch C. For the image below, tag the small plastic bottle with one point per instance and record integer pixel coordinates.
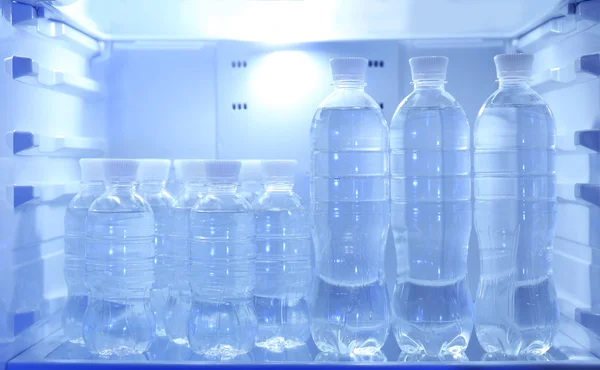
(152, 177)
(92, 186)
(222, 322)
(283, 271)
(119, 266)
(191, 174)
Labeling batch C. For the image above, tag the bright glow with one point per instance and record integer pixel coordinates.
(284, 77)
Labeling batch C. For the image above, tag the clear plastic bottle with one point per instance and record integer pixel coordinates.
(430, 165)
(92, 186)
(189, 172)
(349, 215)
(119, 266)
(152, 178)
(283, 271)
(516, 309)
(222, 322)
(251, 180)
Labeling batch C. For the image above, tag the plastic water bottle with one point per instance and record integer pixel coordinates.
(189, 172)
(283, 271)
(119, 266)
(516, 308)
(222, 322)
(251, 180)
(152, 177)
(431, 215)
(92, 186)
(350, 215)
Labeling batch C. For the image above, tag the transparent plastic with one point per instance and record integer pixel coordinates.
(283, 270)
(516, 309)
(349, 217)
(119, 267)
(178, 256)
(74, 270)
(155, 193)
(251, 180)
(222, 321)
(431, 218)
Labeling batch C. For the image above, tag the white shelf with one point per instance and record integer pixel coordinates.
(583, 69)
(28, 71)
(32, 20)
(17, 195)
(304, 21)
(30, 143)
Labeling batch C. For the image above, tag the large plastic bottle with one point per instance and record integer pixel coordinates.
(350, 215)
(92, 186)
(430, 166)
(251, 180)
(222, 322)
(516, 309)
(152, 178)
(283, 271)
(119, 266)
(190, 173)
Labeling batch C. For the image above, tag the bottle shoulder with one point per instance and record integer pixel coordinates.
(120, 202)
(514, 97)
(433, 99)
(84, 199)
(271, 200)
(346, 98)
(223, 202)
(162, 198)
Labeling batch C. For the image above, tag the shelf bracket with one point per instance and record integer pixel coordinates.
(17, 195)
(27, 71)
(589, 139)
(583, 69)
(589, 193)
(30, 143)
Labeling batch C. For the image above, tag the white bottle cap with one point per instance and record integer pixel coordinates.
(120, 170)
(428, 68)
(514, 65)
(222, 171)
(350, 68)
(92, 169)
(251, 170)
(190, 170)
(279, 170)
(153, 170)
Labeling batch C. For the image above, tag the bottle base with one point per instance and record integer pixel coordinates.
(350, 319)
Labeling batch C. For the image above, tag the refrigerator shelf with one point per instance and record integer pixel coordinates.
(589, 193)
(583, 69)
(578, 17)
(16, 195)
(588, 139)
(34, 144)
(28, 71)
(53, 352)
(34, 21)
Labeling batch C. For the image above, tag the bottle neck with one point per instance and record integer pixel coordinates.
(358, 85)
(93, 186)
(222, 188)
(429, 84)
(195, 187)
(514, 82)
(121, 187)
(278, 186)
(152, 186)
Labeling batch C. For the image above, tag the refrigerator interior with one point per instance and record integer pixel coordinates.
(241, 79)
